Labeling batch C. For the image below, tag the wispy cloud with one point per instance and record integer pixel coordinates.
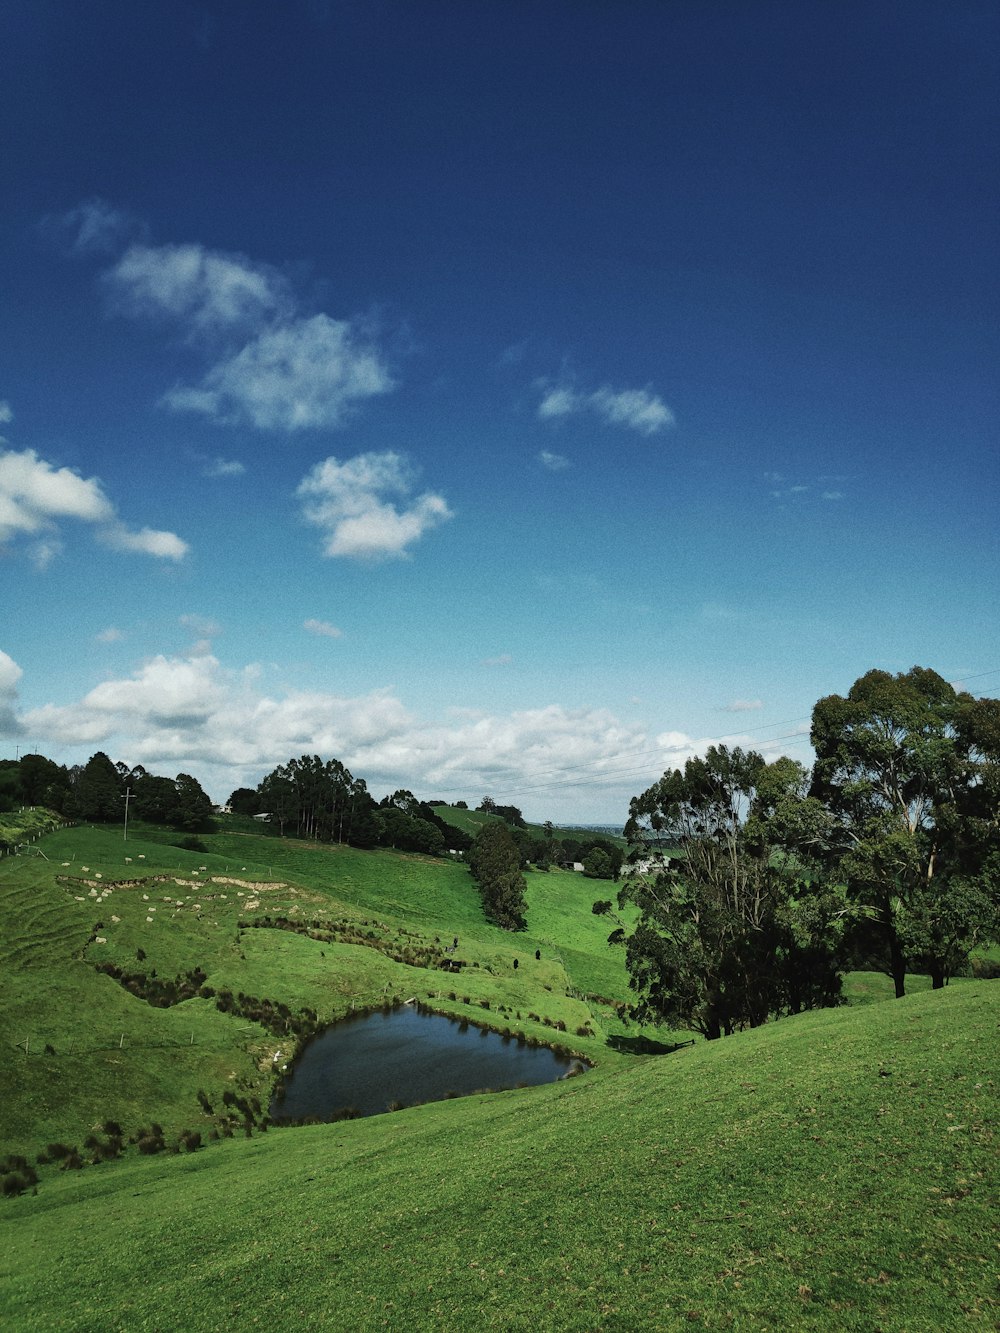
(554, 462)
(6, 412)
(504, 659)
(223, 467)
(743, 706)
(94, 227)
(203, 626)
(323, 628)
(800, 491)
(640, 410)
(355, 504)
(110, 635)
(35, 496)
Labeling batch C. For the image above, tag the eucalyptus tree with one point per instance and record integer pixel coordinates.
(735, 923)
(911, 771)
(317, 798)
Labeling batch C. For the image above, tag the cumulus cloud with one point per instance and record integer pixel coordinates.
(355, 503)
(228, 728)
(147, 541)
(208, 291)
(192, 711)
(636, 409)
(33, 493)
(10, 674)
(554, 462)
(304, 375)
(271, 363)
(322, 627)
(35, 496)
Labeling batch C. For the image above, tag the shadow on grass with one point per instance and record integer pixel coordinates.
(646, 1045)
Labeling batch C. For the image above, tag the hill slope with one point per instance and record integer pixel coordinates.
(830, 1171)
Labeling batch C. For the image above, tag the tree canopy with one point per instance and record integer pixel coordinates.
(735, 924)
(756, 882)
(495, 864)
(910, 770)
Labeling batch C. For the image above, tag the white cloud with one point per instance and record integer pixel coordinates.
(147, 541)
(637, 409)
(303, 375)
(743, 706)
(223, 467)
(504, 659)
(228, 729)
(10, 674)
(6, 412)
(110, 635)
(34, 495)
(270, 364)
(349, 502)
(554, 462)
(559, 403)
(833, 495)
(208, 291)
(323, 628)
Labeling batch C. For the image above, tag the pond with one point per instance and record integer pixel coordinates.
(404, 1056)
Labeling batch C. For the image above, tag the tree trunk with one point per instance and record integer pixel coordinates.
(897, 964)
(937, 974)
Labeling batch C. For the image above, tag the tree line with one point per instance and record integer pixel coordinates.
(757, 884)
(96, 792)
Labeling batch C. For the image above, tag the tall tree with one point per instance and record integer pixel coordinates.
(909, 768)
(719, 939)
(192, 810)
(495, 864)
(97, 793)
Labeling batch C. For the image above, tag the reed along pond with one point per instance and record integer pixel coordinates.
(404, 1056)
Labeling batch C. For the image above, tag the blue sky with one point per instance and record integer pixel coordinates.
(502, 398)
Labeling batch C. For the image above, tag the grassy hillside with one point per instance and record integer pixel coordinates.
(833, 1170)
(81, 1049)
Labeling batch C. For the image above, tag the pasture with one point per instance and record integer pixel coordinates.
(836, 1170)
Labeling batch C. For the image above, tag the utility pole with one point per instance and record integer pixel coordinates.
(128, 797)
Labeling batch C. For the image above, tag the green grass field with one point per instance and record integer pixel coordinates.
(832, 1171)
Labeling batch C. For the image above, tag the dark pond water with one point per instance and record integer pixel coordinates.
(406, 1056)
